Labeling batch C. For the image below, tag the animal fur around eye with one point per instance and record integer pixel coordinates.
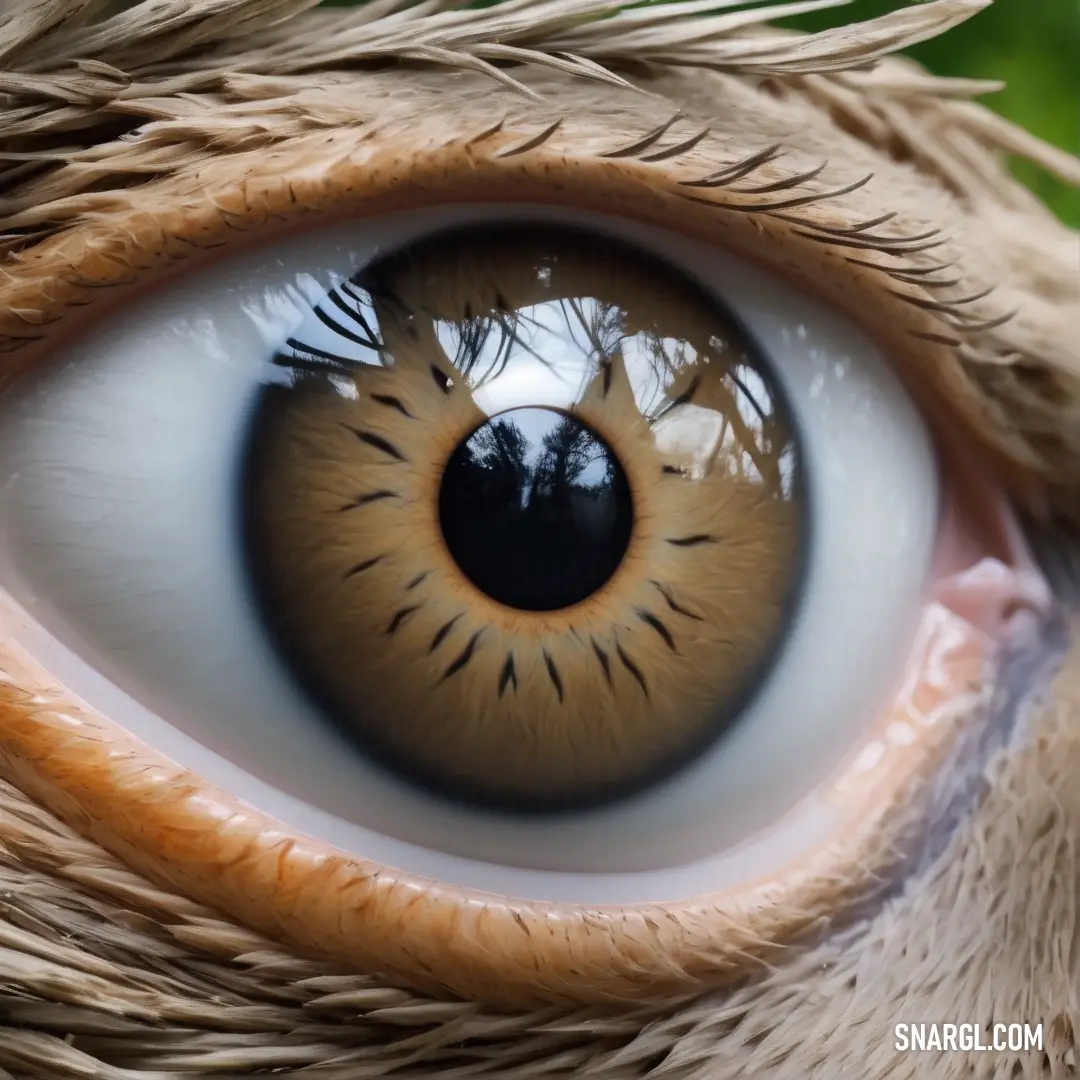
(201, 147)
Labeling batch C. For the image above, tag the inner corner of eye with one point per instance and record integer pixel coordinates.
(537, 519)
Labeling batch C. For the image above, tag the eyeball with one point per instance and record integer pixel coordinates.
(532, 550)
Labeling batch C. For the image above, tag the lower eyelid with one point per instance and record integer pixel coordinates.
(832, 851)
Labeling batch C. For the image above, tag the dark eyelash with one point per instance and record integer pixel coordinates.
(366, 342)
(306, 357)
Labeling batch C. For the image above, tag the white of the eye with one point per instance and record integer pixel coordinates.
(119, 467)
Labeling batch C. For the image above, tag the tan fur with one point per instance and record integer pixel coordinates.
(109, 977)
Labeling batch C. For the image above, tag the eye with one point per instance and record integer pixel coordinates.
(517, 566)
(562, 526)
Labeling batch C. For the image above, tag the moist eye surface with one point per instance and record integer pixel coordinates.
(523, 516)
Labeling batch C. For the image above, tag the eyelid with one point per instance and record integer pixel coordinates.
(215, 846)
(770, 202)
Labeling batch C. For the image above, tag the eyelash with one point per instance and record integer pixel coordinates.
(840, 230)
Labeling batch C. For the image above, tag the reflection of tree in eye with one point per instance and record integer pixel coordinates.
(603, 324)
(568, 451)
(667, 357)
(546, 500)
(761, 444)
(754, 439)
(496, 460)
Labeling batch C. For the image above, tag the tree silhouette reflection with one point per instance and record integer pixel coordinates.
(536, 509)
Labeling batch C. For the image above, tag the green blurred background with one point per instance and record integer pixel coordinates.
(1034, 45)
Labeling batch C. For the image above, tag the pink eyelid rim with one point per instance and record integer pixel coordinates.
(167, 823)
(975, 609)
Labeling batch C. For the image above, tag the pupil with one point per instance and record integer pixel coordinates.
(535, 508)
(525, 527)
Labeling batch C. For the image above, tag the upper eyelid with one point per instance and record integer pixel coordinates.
(767, 198)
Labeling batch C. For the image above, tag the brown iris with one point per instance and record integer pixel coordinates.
(525, 518)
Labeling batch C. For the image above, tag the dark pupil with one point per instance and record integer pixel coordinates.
(535, 509)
